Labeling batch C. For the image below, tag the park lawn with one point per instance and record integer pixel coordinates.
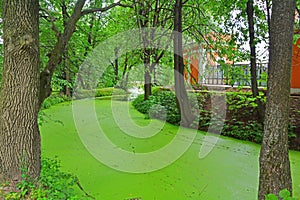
(230, 171)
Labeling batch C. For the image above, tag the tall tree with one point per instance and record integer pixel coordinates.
(181, 94)
(253, 68)
(149, 14)
(24, 88)
(55, 56)
(275, 173)
(19, 133)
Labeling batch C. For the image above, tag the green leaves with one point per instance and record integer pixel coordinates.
(53, 184)
(158, 103)
(283, 194)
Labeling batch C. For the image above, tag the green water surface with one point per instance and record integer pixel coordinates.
(229, 171)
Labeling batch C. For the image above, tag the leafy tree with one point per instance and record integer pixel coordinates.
(151, 13)
(275, 173)
(119, 20)
(63, 38)
(24, 88)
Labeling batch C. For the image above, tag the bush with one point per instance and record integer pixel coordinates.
(102, 92)
(240, 122)
(283, 194)
(54, 99)
(53, 184)
(159, 103)
(57, 184)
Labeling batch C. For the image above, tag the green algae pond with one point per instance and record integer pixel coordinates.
(229, 171)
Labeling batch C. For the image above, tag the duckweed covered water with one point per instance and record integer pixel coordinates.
(230, 171)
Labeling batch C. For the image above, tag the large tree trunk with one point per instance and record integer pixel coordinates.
(275, 173)
(19, 133)
(182, 100)
(253, 69)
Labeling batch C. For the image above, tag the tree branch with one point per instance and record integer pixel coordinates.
(51, 19)
(92, 10)
(55, 56)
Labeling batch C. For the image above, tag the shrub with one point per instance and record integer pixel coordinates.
(241, 121)
(283, 194)
(160, 103)
(141, 105)
(240, 100)
(102, 92)
(57, 184)
(251, 130)
(54, 99)
(53, 184)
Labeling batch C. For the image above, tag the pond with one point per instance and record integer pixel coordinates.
(229, 171)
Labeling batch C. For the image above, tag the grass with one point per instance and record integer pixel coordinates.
(230, 171)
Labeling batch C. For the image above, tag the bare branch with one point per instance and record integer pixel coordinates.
(51, 19)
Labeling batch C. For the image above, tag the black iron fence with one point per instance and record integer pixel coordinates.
(234, 75)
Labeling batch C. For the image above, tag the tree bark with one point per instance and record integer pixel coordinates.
(116, 65)
(147, 82)
(19, 133)
(147, 71)
(253, 69)
(268, 7)
(66, 62)
(275, 173)
(182, 100)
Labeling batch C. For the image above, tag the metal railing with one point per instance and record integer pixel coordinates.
(234, 75)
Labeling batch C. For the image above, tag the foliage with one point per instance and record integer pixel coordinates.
(251, 130)
(107, 78)
(59, 184)
(53, 184)
(240, 100)
(240, 121)
(235, 74)
(283, 194)
(102, 92)
(158, 103)
(55, 98)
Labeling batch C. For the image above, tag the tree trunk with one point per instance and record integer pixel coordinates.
(275, 173)
(268, 7)
(147, 82)
(116, 66)
(147, 71)
(66, 74)
(182, 100)
(254, 87)
(66, 62)
(19, 133)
